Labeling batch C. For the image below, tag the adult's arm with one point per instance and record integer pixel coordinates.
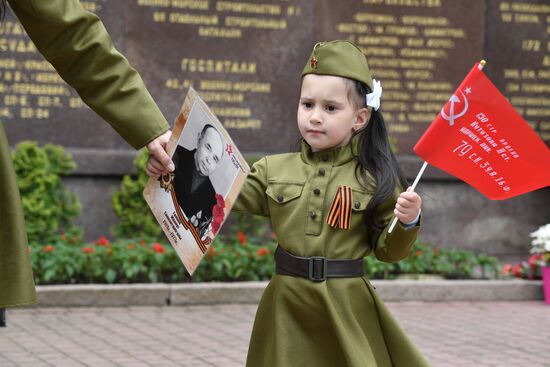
(78, 46)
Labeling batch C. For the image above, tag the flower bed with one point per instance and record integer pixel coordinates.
(231, 258)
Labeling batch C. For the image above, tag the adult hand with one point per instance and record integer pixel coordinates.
(407, 207)
(159, 163)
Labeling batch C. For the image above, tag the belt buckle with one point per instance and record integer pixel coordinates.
(312, 275)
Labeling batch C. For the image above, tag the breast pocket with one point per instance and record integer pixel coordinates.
(360, 200)
(285, 206)
(283, 192)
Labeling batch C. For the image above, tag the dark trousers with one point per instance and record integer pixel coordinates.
(2, 317)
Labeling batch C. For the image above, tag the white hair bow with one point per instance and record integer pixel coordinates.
(373, 98)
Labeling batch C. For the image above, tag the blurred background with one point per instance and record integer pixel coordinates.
(245, 59)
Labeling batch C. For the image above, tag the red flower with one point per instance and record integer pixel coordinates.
(88, 250)
(131, 246)
(218, 213)
(158, 248)
(534, 259)
(418, 252)
(241, 237)
(506, 269)
(220, 201)
(49, 248)
(263, 251)
(211, 253)
(102, 241)
(516, 270)
(142, 242)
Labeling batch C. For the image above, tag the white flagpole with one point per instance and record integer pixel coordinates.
(413, 187)
(482, 64)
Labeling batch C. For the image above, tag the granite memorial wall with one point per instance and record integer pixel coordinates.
(245, 58)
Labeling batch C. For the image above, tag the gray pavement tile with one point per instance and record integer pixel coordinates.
(450, 334)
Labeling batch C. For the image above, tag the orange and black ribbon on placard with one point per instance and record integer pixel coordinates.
(339, 215)
(167, 183)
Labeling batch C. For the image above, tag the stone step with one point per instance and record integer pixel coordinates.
(120, 295)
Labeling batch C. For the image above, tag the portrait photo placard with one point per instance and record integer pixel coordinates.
(192, 203)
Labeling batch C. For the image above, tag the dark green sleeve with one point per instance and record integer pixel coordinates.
(395, 246)
(252, 198)
(78, 46)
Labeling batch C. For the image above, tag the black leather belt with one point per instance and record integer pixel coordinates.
(316, 268)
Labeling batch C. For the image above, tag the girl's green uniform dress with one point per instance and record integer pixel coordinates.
(341, 321)
(78, 46)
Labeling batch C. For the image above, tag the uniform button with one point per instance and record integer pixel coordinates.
(312, 215)
(316, 191)
(357, 205)
(321, 172)
(324, 158)
(280, 198)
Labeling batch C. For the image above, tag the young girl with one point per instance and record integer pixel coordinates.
(330, 206)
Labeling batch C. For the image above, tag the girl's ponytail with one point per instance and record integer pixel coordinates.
(376, 156)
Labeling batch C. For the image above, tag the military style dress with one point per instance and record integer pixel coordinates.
(340, 321)
(78, 46)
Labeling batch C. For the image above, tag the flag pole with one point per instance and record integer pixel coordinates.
(413, 186)
(482, 64)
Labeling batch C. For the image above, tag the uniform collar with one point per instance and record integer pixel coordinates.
(336, 156)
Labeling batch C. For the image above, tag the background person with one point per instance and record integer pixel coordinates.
(80, 49)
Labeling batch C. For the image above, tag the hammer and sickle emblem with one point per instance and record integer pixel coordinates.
(452, 116)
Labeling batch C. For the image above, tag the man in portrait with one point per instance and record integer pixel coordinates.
(194, 190)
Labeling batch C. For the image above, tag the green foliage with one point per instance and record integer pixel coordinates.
(427, 259)
(47, 206)
(69, 261)
(136, 219)
(237, 259)
(230, 258)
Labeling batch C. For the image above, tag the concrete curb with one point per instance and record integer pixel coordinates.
(120, 295)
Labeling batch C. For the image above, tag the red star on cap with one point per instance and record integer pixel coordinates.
(313, 62)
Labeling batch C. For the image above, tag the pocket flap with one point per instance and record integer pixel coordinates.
(284, 192)
(360, 200)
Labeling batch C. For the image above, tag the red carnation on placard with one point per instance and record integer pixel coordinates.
(158, 248)
(218, 214)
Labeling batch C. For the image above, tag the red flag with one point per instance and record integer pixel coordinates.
(480, 138)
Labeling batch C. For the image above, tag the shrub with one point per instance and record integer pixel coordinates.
(136, 219)
(47, 206)
(69, 261)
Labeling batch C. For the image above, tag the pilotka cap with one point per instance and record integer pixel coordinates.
(339, 58)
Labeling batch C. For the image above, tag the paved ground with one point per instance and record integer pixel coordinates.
(450, 334)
